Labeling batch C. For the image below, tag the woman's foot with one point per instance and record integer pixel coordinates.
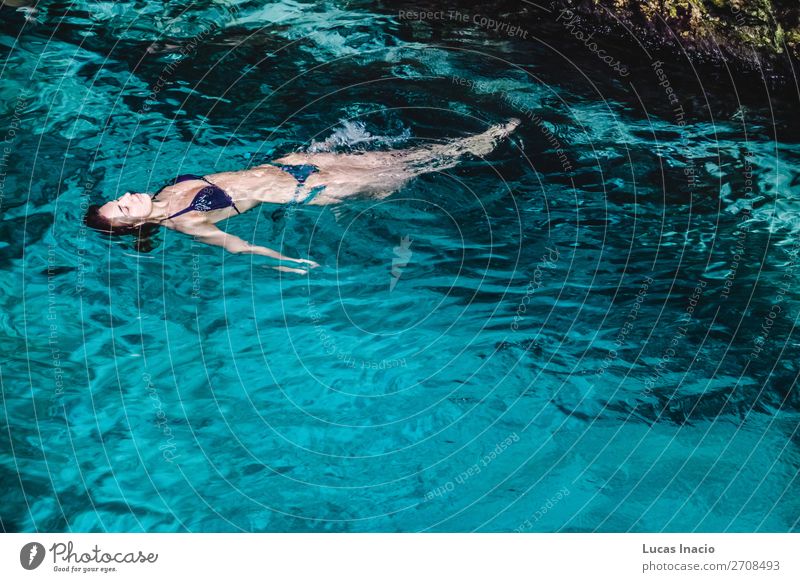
(482, 144)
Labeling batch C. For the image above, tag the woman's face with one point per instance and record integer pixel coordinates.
(127, 210)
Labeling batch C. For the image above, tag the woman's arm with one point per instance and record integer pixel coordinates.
(210, 234)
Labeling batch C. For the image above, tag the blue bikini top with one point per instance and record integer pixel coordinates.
(211, 197)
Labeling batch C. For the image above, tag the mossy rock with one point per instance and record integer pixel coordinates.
(745, 30)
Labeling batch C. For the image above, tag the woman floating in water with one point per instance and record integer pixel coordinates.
(193, 204)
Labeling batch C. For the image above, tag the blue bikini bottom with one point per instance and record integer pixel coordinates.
(299, 172)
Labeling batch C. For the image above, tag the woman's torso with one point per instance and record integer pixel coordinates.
(245, 188)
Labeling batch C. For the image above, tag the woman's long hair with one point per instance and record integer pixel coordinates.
(142, 234)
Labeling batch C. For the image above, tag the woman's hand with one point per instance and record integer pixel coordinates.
(258, 250)
(291, 270)
(281, 257)
(311, 264)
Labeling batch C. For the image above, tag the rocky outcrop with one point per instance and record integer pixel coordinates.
(753, 33)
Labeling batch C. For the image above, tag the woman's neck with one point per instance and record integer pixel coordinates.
(159, 212)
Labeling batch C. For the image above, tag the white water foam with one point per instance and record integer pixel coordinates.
(354, 134)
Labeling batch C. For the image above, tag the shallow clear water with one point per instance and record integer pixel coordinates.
(583, 340)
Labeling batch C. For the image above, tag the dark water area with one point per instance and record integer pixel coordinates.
(598, 318)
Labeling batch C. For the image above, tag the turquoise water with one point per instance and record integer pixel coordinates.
(590, 330)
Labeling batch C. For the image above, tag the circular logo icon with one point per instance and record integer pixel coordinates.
(31, 555)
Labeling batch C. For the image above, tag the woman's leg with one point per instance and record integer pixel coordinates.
(447, 155)
(381, 173)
